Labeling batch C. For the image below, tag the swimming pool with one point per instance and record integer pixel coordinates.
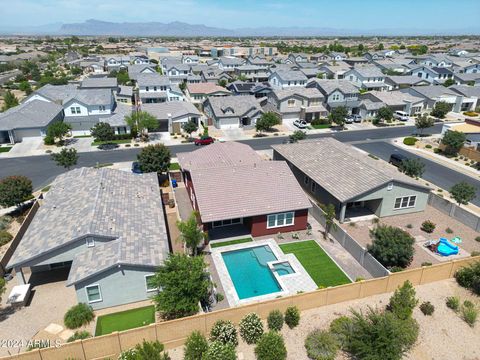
(283, 268)
(249, 271)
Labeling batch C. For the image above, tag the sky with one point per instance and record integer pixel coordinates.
(337, 14)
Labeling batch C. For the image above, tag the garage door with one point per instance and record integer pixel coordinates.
(25, 133)
(229, 123)
(290, 117)
(162, 126)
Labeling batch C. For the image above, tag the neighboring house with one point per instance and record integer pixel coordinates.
(190, 59)
(259, 90)
(334, 71)
(229, 64)
(298, 103)
(297, 58)
(135, 70)
(434, 94)
(466, 78)
(471, 129)
(471, 96)
(117, 119)
(395, 100)
(404, 81)
(434, 75)
(336, 92)
(230, 185)
(214, 75)
(172, 115)
(106, 227)
(336, 173)
(367, 77)
(94, 66)
(337, 56)
(472, 69)
(253, 73)
(124, 95)
(193, 79)
(177, 72)
(155, 88)
(30, 119)
(231, 112)
(258, 60)
(281, 79)
(139, 59)
(392, 66)
(435, 60)
(100, 83)
(116, 62)
(458, 52)
(197, 93)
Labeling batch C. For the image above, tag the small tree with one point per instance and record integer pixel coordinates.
(271, 346)
(66, 157)
(9, 101)
(292, 316)
(412, 167)
(251, 328)
(142, 121)
(225, 332)
(384, 113)
(58, 130)
(424, 122)
(78, 315)
(329, 215)
(403, 301)
(147, 350)
(182, 86)
(219, 351)
(184, 283)
(102, 132)
(338, 115)
(449, 82)
(453, 141)
(267, 121)
(463, 193)
(154, 158)
(391, 246)
(275, 320)
(222, 82)
(195, 346)
(190, 233)
(189, 127)
(25, 86)
(122, 77)
(441, 109)
(14, 190)
(297, 136)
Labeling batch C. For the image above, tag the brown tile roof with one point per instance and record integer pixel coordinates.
(205, 88)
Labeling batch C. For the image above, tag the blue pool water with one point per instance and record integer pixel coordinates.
(249, 271)
(283, 268)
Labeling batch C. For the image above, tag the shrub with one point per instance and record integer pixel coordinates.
(410, 141)
(275, 320)
(271, 346)
(195, 346)
(321, 345)
(428, 226)
(477, 239)
(79, 335)
(340, 328)
(5, 237)
(448, 230)
(409, 226)
(219, 351)
(5, 222)
(391, 246)
(151, 350)
(225, 332)
(78, 315)
(426, 263)
(403, 301)
(453, 302)
(48, 140)
(251, 328)
(292, 316)
(428, 146)
(468, 304)
(427, 308)
(465, 276)
(475, 253)
(469, 314)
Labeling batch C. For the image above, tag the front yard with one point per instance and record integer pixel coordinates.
(125, 320)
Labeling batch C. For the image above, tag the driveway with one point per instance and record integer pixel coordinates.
(28, 147)
(233, 134)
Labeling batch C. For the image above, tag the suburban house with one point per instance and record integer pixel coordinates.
(177, 72)
(214, 75)
(231, 186)
(298, 103)
(335, 173)
(252, 72)
(336, 92)
(334, 71)
(258, 60)
(403, 81)
(471, 129)
(29, 119)
(434, 94)
(395, 100)
(135, 70)
(472, 69)
(337, 56)
(467, 78)
(99, 83)
(116, 62)
(434, 75)
(229, 64)
(281, 79)
(259, 90)
(471, 96)
(124, 94)
(155, 88)
(190, 59)
(231, 112)
(139, 59)
(172, 115)
(197, 93)
(438, 60)
(106, 228)
(367, 77)
(297, 58)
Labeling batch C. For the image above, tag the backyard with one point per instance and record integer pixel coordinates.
(125, 320)
(230, 242)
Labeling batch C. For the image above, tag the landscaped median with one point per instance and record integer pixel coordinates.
(120, 141)
(125, 320)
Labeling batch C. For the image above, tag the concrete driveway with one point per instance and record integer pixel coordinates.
(28, 147)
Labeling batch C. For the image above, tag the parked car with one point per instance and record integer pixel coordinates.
(204, 140)
(136, 168)
(397, 159)
(301, 124)
(349, 119)
(401, 115)
(108, 146)
(357, 118)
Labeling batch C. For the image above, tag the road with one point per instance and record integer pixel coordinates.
(435, 173)
(42, 170)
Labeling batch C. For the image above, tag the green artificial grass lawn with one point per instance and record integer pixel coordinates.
(5, 149)
(318, 264)
(322, 126)
(174, 166)
(81, 136)
(122, 141)
(231, 242)
(125, 320)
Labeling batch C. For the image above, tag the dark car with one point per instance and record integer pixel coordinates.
(397, 159)
(204, 140)
(136, 168)
(109, 146)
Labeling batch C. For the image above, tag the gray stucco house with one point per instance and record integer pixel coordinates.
(335, 173)
(107, 227)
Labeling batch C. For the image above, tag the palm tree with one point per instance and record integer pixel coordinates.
(190, 233)
(329, 214)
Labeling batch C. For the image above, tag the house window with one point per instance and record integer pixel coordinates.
(291, 102)
(93, 293)
(147, 88)
(405, 202)
(102, 108)
(280, 220)
(150, 284)
(90, 242)
(75, 110)
(306, 180)
(313, 186)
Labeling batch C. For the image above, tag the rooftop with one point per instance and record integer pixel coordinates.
(32, 114)
(205, 88)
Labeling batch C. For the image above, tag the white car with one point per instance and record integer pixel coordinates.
(401, 115)
(301, 124)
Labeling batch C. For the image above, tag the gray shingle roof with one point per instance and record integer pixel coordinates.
(329, 86)
(341, 170)
(32, 114)
(291, 75)
(309, 93)
(368, 71)
(241, 105)
(152, 80)
(175, 108)
(105, 82)
(465, 90)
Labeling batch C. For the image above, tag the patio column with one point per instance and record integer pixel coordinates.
(343, 209)
(19, 275)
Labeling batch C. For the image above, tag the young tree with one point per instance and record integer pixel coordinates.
(147, 350)
(190, 233)
(267, 121)
(14, 190)
(412, 167)
(463, 193)
(67, 157)
(338, 115)
(222, 82)
(102, 132)
(142, 121)
(195, 346)
(189, 127)
(403, 301)
(122, 77)
(329, 215)
(184, 283)
(297, 135)
(58, 130)
(424, 122)
(391, 246)
(384, 113)
(154, 158)
(9, 101)
(453, 141)
(441, 109)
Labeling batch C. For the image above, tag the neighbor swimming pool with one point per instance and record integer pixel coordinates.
(249, 271)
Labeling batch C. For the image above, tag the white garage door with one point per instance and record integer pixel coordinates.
(229, 123)
(290, 117)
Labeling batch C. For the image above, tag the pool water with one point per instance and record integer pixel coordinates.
(249, 271)
(283, 268)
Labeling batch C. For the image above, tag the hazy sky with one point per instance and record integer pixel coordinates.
(339, 14)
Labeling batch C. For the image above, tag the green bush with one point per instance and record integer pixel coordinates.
(477, 239)
(292, 316)
(410, 141)
(271, 346)
(5, 222)
(453, 302)
(426, 263)
(275, 320)
(467, 276)
(469, 314)
(391, 246)
(48, 140)
(340, 328)
(321, 345)
(448, 230)
(225, 332)
(321, 122)
(219, 351)
(79, 335)
(427, 308)
(78, 315)
(428, 226)
(251, 328)
(403, 301)
(151, 350)
(5, 237)
(195, 346)
(428, 146)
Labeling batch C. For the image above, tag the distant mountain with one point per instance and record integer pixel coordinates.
(47, 29)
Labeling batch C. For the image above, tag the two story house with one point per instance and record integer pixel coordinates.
(281, 79)
(232, 112)
(155, 88)
(336, 93)
(367, 77)
(298, 103)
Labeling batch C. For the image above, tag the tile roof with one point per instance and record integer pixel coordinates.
(290, 75)
(205, 88)
(32, 114)
(240, 105)
(105, 82)
(329, 86)
(152, 80)
(175, 108)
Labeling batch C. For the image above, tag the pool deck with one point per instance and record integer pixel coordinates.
(291, 284)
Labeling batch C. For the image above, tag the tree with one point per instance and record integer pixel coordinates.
(329, 215)
(9, 101)
(14, 190)
(184, 283)
(380, 47)
(424, 122)
(154, 158)
(25, 86)
(189, 127)
(338, 115)
(449, 82)
(147, 350)
(142, 121)
(271, 346)
(66, 157)
(58, 130)
(182, 86)
(412, 167)
(384, 113)
(463, 193)
(222, 82)
(403, 301)
(453, 141)
(391, 246)
(297, 135)
(441, 109)
(195, 346)
(102, 132)
(190, 233)
(267, 121)
(122, 77)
